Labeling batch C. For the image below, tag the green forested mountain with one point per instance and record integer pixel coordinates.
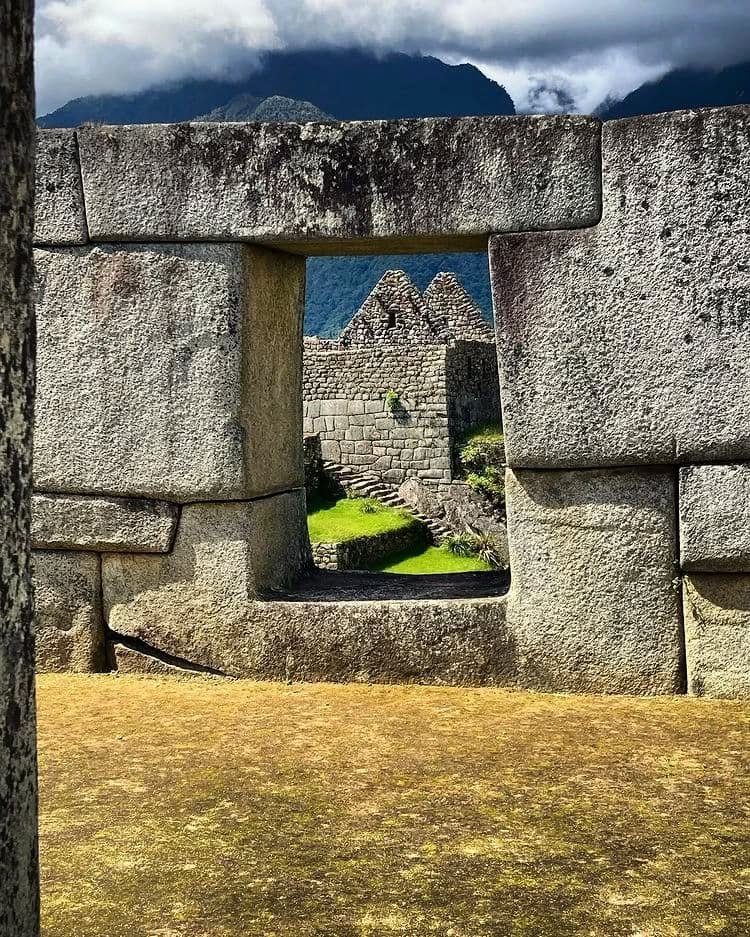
(337, 286)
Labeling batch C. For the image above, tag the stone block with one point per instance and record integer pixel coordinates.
(70, 626)
(626, 343)
(715, 518)
(364, 186)
(593, 605)
(169, 371)
(717, 634)
(65, 522)
(59, 214)
(224, 555)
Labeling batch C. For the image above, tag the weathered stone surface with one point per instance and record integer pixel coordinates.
(19, 875)
(363, 186)
(124, 659)
(59, 214)
(592, 605)
(224, 555)
(450, 642)
(169, 371)
(627, 343)
(70, 626)
(64, 522)
(717, 634)
(715, 518)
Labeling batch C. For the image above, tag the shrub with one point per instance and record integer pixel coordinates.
(369, 505)
(482, 546)
(392, 401)
(482, 459)
(460, 544)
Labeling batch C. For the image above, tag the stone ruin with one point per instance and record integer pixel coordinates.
(169, 520)
(434, 351)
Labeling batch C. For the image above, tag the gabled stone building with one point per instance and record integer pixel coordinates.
(409, 375)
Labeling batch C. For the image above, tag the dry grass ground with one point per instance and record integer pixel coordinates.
(208, 809)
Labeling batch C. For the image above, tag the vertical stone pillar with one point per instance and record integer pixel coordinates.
(19, 902)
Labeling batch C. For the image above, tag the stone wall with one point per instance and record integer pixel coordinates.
(345, 403)
(19, 876)
(366, 552)
(622, 295)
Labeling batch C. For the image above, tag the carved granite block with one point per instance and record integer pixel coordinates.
(168, 371)
(626, 343)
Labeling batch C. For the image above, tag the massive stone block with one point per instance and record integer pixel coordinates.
(717, 634)
(224, 556)
(19, 874)
(715, 518)
(130, 525)
(593, 604)
(366, 186)
(59, 214)
(427, 641)
(169, 371)
(70, 626)
(626, 344)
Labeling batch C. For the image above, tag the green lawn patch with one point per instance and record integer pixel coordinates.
(433, 560)
(349, 518)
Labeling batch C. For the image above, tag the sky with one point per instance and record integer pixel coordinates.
(587, 49)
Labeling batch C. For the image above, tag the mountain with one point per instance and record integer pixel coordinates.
(685, 88)
(274, 109)
(337, 286)
(351, 84)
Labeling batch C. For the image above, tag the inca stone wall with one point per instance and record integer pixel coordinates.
(19, 878)
(433, 350)
(346, 404)
(620, 284)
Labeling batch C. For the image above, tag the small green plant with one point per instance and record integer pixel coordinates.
(490, 483)
(482, 546)
(482, 459)
(460, 544)
(392, 401)
(369, 505)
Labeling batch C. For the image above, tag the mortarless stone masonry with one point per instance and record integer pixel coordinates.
(623, 358)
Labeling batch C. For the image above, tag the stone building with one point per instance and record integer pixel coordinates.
(409, 375)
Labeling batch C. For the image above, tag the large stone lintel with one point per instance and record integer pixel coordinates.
(67, 522)
(361, 186)
(717, 634)
(593, 605)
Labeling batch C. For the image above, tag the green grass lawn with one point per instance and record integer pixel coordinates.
(432, 560)
(336, 522)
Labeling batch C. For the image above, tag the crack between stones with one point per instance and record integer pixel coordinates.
(164, 657)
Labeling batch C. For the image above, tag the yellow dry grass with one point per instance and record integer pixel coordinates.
(179, 808)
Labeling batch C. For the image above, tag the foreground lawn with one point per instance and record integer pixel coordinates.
(433, 560)
(345, 520)
(209, 809)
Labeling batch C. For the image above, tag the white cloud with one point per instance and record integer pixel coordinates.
(588, 49)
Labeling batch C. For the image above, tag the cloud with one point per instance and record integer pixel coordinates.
(543, 51)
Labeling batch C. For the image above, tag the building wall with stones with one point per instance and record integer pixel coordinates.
(345, 404)
(622, 294)
(434, 350)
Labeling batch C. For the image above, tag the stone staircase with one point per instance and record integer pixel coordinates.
(370, 485)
